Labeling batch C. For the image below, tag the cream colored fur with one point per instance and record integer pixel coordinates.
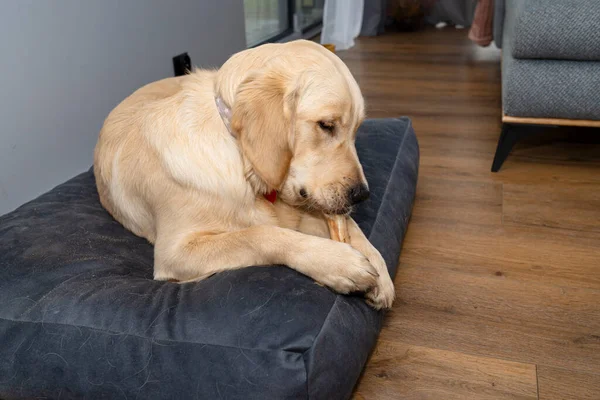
(169, 170)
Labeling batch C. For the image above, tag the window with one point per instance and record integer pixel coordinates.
(310, 14)
(267, 20)
(274, 20)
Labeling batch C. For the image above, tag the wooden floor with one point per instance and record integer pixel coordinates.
(499, 280)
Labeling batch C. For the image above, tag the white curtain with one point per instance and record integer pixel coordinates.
(342, 21)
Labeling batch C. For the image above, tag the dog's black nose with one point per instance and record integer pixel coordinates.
(358, 193)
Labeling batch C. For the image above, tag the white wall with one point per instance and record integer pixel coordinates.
(64, 64)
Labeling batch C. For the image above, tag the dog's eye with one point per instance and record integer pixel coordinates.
(326, 126)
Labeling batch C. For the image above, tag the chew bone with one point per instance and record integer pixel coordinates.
(338, 228)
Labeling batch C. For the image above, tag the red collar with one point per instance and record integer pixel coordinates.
(271, 196)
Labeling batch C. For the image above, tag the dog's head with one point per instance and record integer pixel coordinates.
(295, 113)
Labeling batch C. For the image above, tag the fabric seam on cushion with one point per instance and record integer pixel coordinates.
(387, 187)
(335, 302)
(109, 332)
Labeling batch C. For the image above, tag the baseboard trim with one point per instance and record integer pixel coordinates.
(550, 121)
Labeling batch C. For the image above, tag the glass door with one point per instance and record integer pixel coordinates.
(274, 20)
(268, 20)
(310, 14)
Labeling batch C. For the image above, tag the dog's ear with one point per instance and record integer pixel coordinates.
(262, 121)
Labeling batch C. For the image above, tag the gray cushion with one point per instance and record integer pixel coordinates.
(558, 29)
(81, 317)
(551, 89)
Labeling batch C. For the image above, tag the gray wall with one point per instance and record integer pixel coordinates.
(64, 64)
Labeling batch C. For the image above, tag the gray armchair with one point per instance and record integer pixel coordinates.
(550, 65)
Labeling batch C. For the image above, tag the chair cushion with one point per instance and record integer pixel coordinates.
(546, 88)
(81, 317)
(551, 88)
(559, 30)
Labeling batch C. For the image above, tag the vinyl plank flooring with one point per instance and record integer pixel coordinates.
(537, 204)
(561, 384)
(529, 255)
(497, 270)
(480, 202)
(495, 298)
(400, 371)
(447, 328)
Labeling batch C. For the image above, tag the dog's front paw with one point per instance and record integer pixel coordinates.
(382, 296)
(347, 270)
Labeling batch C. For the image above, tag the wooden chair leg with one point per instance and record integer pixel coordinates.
(508, 138)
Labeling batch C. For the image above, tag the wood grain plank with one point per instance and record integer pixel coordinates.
(518, 168)
(446, 328)
(480, 202)
(539, 205)
(400, 371)
(527, 254)
(493, 298)
(561, 384)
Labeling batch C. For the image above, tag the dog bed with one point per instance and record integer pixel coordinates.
(81, 317)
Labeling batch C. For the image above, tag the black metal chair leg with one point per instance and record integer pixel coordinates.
(508, 138)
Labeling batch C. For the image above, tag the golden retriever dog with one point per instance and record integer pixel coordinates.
(189, 162)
